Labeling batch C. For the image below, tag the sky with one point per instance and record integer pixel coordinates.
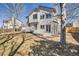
(28, 7)
(72, 11)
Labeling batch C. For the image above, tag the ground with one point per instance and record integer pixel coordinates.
(28, 44)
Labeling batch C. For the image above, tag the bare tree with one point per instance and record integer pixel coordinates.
(14, 9)
(72, 11)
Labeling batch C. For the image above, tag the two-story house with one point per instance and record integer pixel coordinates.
(12, 23)
(44, 20)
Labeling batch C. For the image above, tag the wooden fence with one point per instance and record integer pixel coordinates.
(72, 29)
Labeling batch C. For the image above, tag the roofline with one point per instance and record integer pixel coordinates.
(45, 7)
(39, 7)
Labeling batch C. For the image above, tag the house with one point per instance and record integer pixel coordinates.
(69, 24)
(44, 20)
(76, 23)
(12, 23)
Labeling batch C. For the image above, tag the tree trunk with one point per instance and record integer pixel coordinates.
(63, 32)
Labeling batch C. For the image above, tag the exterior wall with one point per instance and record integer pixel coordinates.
(31, 20)
(8, 25)
(18, 24)
(54, 28)
(49, 21)
(43, 21)
(59, 24)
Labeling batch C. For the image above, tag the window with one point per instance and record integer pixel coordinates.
(35, 26)
(48, 15)
(42, 26)
(48, 28)
(35, 16)
(42, 17)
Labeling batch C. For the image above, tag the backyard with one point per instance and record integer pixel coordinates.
(28, 44)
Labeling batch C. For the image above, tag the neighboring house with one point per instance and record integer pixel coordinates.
(69, 24)
(44, 20)
(76, 23)
(12, 23)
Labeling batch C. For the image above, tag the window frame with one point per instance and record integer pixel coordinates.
(42, 16)
(35, 16)
(48, 16)
(42, 26)
(48, 28)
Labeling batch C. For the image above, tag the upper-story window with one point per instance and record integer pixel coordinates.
(42, 16)
(35, 16)
(48, 15)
